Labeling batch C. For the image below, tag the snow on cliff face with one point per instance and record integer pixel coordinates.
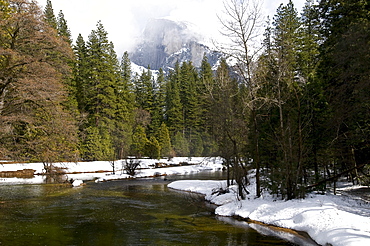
(165, 42)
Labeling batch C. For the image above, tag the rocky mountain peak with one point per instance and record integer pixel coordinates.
(165, 42)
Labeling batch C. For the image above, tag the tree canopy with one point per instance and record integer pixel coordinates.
(295, 109)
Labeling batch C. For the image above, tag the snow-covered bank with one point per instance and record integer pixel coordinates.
(328, 219)
(102, 170)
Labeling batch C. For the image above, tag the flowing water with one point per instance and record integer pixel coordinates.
(127, 212)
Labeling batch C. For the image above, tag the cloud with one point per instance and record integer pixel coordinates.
(125, 20)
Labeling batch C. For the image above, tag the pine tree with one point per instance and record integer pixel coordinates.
(101, 89)
(266, 77)
(122, 135)
(126, 72)
(164, 140)
(157, 113)
(228, 124)
(63, 29)
(50, 16)
(344, 71)
(93, 145)
(139, 141)
(103, 77)
(309, 43)
(81, 74)
(288, 98)
(189, 98)
(180, 145)
(205, 89)
(152, 148)
(174, 110)
(314, 103)
(144, 91)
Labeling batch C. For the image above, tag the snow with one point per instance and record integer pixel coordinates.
(136, 69)
(102, 170)
(328, 219)
(77, 183)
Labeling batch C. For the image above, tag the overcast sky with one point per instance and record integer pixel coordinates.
(125, 20)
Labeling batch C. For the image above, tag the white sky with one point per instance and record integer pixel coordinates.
(124, 20)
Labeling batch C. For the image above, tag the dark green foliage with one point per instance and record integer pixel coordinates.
(63, 29)
(103, 95)
(288, 89)
(297, 114)
(139, 141)
(196, 145)
(50, 16)
(310, 78)
(344, 70)
(152, 148)
(174, 111)
(144, 91)
(80, 76)
(159, 103)
(124, 110)
(93, 147)
(164, 140)
(180, 145)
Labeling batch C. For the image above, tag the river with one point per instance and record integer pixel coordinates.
(126, 212)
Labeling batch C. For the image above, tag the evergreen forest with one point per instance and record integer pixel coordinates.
(297, 112)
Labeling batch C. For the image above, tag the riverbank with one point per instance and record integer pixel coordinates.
(328, 219)
(102, 171)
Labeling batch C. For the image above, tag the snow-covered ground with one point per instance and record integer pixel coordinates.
(328, 219)
(336, 220)
(102, 170)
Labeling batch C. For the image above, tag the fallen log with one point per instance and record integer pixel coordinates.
(25, 173)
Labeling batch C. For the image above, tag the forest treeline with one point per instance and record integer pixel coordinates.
(297, 113)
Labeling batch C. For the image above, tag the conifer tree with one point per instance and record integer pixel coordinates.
(152, 148)
(228, 124)
(174, 111)
(314, 103)
(50, 16)
(344, 71)
(103, 77)
(180, 145)
(94, 146)
(157, 113)
(266, 77)
(124, 113)
(164, 140)
(63, 29)
(126, 71)
(189, 98)
(144, 91)
(205, 89)
(139, 141)
(288, 97)
(81, 74)
(101, 88)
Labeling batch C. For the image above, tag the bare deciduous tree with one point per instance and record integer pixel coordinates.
(241, 23)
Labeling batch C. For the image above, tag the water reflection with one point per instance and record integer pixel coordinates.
(136, 212)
